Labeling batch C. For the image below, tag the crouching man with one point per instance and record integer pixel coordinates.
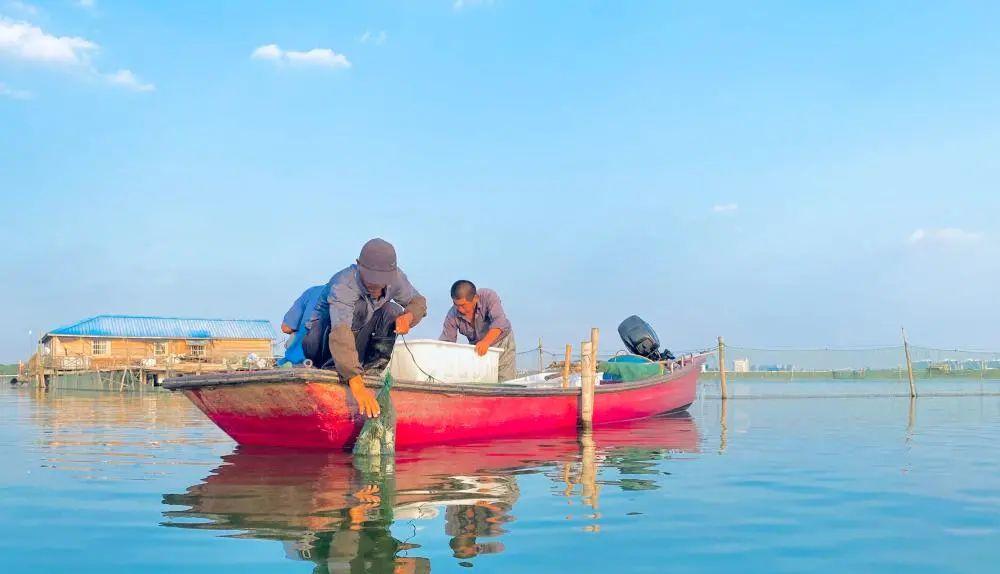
(479, 316)
(355, 326)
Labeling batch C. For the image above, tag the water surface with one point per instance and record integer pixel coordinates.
(108, 482)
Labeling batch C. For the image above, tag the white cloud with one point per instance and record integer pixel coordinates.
(321, 57)
(85, 3)
(26, 42)
(268, 52)
(13, 94)
(725, 207)
(944, 236)
(29, 43)
(460, 4)
(377, 38)
(128, 80)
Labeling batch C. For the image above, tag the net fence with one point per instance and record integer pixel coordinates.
(875, 362)
(888, 362)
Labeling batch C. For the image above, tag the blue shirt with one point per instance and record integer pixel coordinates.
(298, 314)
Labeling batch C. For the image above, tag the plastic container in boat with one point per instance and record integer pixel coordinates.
(428, 360)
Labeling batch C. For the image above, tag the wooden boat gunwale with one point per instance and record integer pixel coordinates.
(304, 375)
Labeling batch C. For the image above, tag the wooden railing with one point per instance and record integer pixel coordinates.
(79, 362)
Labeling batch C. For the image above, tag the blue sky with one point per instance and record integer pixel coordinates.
(781, 173)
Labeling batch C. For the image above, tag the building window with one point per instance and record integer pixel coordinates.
(100, 346)
(197, 350)
(159, 348)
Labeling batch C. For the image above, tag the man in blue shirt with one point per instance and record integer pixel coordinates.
(296, 317)
(296, 320)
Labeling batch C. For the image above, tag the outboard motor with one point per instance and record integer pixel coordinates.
(641, 339)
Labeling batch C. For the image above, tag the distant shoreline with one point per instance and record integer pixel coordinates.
(853, 375)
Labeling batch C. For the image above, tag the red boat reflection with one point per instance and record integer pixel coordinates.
(327, 509)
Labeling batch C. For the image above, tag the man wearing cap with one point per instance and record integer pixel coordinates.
(355, 326)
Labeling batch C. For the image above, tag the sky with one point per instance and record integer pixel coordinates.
(780, 173)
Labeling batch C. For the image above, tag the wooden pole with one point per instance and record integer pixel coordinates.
(722, 368)
(39, 366)
(909, 365)
(586, 385)
(595, 339)
(566, 363)
(540, 361)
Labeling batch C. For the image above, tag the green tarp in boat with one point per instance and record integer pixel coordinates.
(629, 368)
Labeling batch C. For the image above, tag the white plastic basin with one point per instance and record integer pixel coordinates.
(428, 360)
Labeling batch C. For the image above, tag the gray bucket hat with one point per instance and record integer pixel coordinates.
(377, 262)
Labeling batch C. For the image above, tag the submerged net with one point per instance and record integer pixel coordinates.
(378, 436)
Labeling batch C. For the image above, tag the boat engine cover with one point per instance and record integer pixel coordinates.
(641, 339)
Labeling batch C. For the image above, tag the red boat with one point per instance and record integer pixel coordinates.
(310, 408)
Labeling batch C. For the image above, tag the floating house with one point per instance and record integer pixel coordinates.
(157, 345)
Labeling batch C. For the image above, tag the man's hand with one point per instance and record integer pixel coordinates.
(483, 346)
(369, 494)
(369, 497)
(403, 323)
(286, 329)
(367, 404)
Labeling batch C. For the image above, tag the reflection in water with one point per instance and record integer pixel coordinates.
(723, 425)
(481, 517)
(337, 514)
(911, 418)
(109, 436)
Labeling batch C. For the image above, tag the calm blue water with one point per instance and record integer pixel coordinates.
(101, 482)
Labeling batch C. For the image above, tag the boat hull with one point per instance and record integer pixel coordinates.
(309, 410)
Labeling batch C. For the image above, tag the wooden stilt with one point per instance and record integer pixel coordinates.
(586, 385)
(541, 366)
(595, 339)
(39, 366)
(909, 365)
(566, 364)
(722, 369)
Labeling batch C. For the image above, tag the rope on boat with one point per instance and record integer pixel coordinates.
(431, 378)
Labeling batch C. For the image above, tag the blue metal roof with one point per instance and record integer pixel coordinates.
(138, 327)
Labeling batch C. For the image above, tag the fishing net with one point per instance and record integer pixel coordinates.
(883, 362)
(378, 436)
